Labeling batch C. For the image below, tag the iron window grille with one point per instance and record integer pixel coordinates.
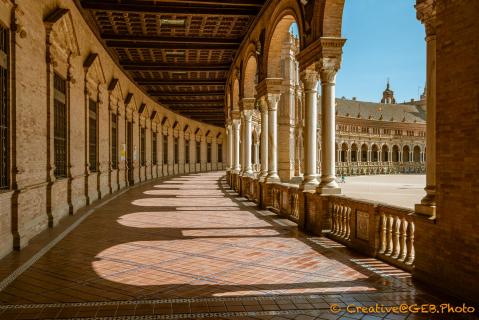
(143, 146)
(208, 153)
(154, 148)
(92, 137)
(187, 151)
(5, 110)
(60, 126)
(165, 149)
(176, 150)
(114, 141)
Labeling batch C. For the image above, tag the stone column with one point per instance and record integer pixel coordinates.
(298, 133)
(328, 68)
(426, 13)
(247, 116)
(236, 146)
(309, 77)
(229, 146)
(273, 99)
(264, 138)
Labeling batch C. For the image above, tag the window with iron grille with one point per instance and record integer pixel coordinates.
(92, 135)
(129, 151)
(60, 126)
(208, 153)
(114, 141)
(143, 146)
(154, 148)
(198, 152)
(165, 149)
(187, 151)
(5, 110)
(220, 153)
(176, 150)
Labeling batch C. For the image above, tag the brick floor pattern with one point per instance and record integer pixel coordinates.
(189, 247)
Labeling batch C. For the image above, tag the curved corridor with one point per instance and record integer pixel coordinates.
(189, 247)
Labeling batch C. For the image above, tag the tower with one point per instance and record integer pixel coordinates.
(388, 95)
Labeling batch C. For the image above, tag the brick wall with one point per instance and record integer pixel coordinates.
(38, 200)
(447, 251)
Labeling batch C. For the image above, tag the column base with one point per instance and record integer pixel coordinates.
(272, 179)
(296, 180)
(426, 210)
(310, 185)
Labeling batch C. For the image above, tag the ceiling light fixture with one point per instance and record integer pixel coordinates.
(172, 22)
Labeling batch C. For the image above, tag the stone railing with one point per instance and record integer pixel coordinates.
(362, 168)
(377, 230)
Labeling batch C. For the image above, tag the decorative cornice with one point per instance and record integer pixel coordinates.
(426, 13)
(269, 85)
(325, 47)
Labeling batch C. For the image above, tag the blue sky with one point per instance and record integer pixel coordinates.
(384, 40)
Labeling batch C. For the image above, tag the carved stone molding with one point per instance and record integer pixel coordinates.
(61, 42)
(309, 78)
(426, 13)
(273, 99)
(325, 47)
(94, 77)
(328, 67)
(248, 103)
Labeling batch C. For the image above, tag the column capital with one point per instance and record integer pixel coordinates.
(235, 115)
(309, 78)
(263, 104)
(426, 13)
(248, 103)
(273, 99)
(247, 114)
(327, 68)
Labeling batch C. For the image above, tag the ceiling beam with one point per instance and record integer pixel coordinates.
(242, 3)
(179, 82)
(134, 42)
(186, 94)
(191, 101)
(169, 39)
(173, 8)
(139, 66)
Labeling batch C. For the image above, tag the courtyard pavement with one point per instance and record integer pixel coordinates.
(189, 247)
(403, 190)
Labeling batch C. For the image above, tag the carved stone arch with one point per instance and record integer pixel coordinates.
(94, 76)
(250, 71)
(327, 19)
(250, 78)
(284, 15)
(61, 42)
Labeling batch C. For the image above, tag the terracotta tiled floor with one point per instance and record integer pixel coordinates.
(189, 247)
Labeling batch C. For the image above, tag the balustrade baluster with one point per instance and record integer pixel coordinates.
(382, 233)
(348, 223)
(396, 231)
(410, 244)
(402, 240)
(389, 235)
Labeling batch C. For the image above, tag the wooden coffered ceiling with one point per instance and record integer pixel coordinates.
(179, 51)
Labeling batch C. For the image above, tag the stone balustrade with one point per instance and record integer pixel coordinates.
(377, 230)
